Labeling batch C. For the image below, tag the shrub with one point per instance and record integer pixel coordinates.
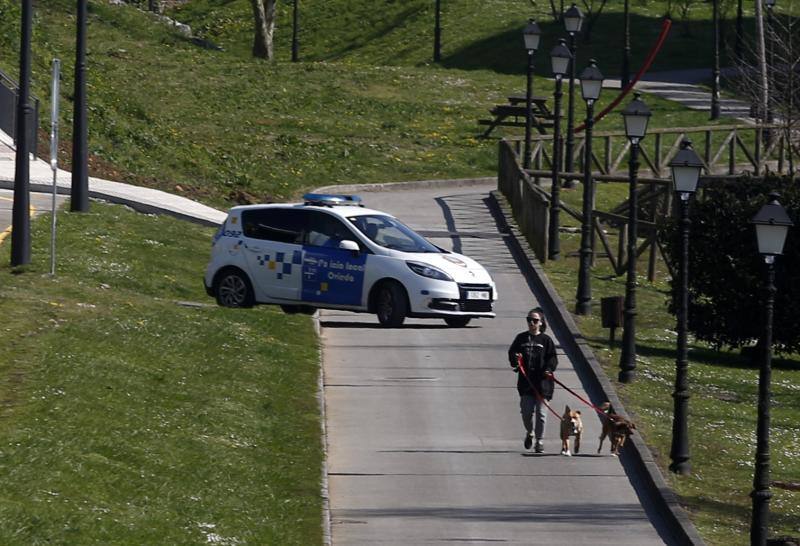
(726, 272)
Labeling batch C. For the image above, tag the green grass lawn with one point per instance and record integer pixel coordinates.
(130, 418)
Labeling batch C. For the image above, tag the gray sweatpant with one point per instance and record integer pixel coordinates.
(528, 404)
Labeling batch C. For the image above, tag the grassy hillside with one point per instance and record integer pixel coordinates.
(128, 417)
(365, 106)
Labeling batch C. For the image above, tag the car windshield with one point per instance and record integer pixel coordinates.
(390, 233)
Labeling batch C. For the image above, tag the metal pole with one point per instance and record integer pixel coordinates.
(715, 70)
(554, 245)
(20, 215)
(526, 159)
(761, 493)
(437, 33)
(295, 43)
(739, 30)
(80, 152)
(569, 160)
(583, 297)
(627, 361)
(54, 97)
(679, 452)
(626, 47)
(770, 64)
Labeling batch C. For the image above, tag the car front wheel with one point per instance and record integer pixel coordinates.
(391, 305)
(233, 289)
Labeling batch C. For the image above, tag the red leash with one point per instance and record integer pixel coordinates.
(579, 397)
(539, 397)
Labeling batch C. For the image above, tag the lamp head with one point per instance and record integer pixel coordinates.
(591, 81)
(636, 116)
(532, 34)
(685, 167)
(573, 19)
(772, 225)
(560, 57)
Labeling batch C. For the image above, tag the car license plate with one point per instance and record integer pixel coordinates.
(477, 295)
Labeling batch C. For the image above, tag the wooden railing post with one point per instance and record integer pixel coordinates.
(732, 154)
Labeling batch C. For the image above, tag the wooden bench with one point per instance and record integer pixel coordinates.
(513, 115)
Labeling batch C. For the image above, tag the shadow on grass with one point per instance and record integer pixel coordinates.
(504, 52)
(737, 512)
(727, 359)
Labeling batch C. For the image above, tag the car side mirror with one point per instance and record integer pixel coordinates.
(352, 246)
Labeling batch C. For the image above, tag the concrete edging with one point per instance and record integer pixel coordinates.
(639, 457)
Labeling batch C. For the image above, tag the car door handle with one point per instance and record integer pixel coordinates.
(254, 248)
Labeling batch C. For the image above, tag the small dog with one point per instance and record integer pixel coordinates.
(571, 425)
(616, 427)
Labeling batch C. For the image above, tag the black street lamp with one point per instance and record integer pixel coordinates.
(560, 58)
(573, 19)
(295, 30)
(715, 110)
(772, 224)
(626, 46)
(591, 85)
(685, 167)
(636, 116)
(532, 34)
(79, 199)
(437, 32)
(20, 212)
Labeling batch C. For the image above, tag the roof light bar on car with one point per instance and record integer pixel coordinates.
(330, 200)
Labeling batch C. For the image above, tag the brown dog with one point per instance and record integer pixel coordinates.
(616, 427)
(571, 425)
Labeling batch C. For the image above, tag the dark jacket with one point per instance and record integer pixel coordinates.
(538, 356)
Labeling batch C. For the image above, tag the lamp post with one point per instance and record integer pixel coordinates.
(79, 201)
(626, 47)
(772, 224)
(685, 167)
(20, 213)
(295, 30)
(560, 58)
(715, 70)
(573, 19)
(636, 116)
(591, 85)
(437, 32)
(531, 34)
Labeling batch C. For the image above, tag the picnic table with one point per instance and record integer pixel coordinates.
(512, 114)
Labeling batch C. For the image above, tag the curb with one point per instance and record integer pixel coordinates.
(639, 459)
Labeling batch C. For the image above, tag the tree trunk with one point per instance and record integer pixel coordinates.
(264, 15)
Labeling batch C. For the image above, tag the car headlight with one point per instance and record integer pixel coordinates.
(428, 271)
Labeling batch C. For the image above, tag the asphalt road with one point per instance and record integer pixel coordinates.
(424, 433)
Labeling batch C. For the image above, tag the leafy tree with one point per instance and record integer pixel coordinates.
(726, 273)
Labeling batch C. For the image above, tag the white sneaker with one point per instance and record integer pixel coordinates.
(539, 448)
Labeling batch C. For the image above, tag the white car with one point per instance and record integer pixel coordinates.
(331, 252)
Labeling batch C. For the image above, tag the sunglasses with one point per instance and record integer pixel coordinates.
(530, 319)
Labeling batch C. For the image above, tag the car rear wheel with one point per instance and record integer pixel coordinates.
(391, 305)
(457, 322)
(233, 289)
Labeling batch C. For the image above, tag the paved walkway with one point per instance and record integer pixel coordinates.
(682, 86)
(139, 198)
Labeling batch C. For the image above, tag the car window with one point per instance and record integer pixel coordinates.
(326, 230)
(274, 224)
(390, 232)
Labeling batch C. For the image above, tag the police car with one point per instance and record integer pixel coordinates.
(331, 252)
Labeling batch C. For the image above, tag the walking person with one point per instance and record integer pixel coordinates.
(535, 385)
